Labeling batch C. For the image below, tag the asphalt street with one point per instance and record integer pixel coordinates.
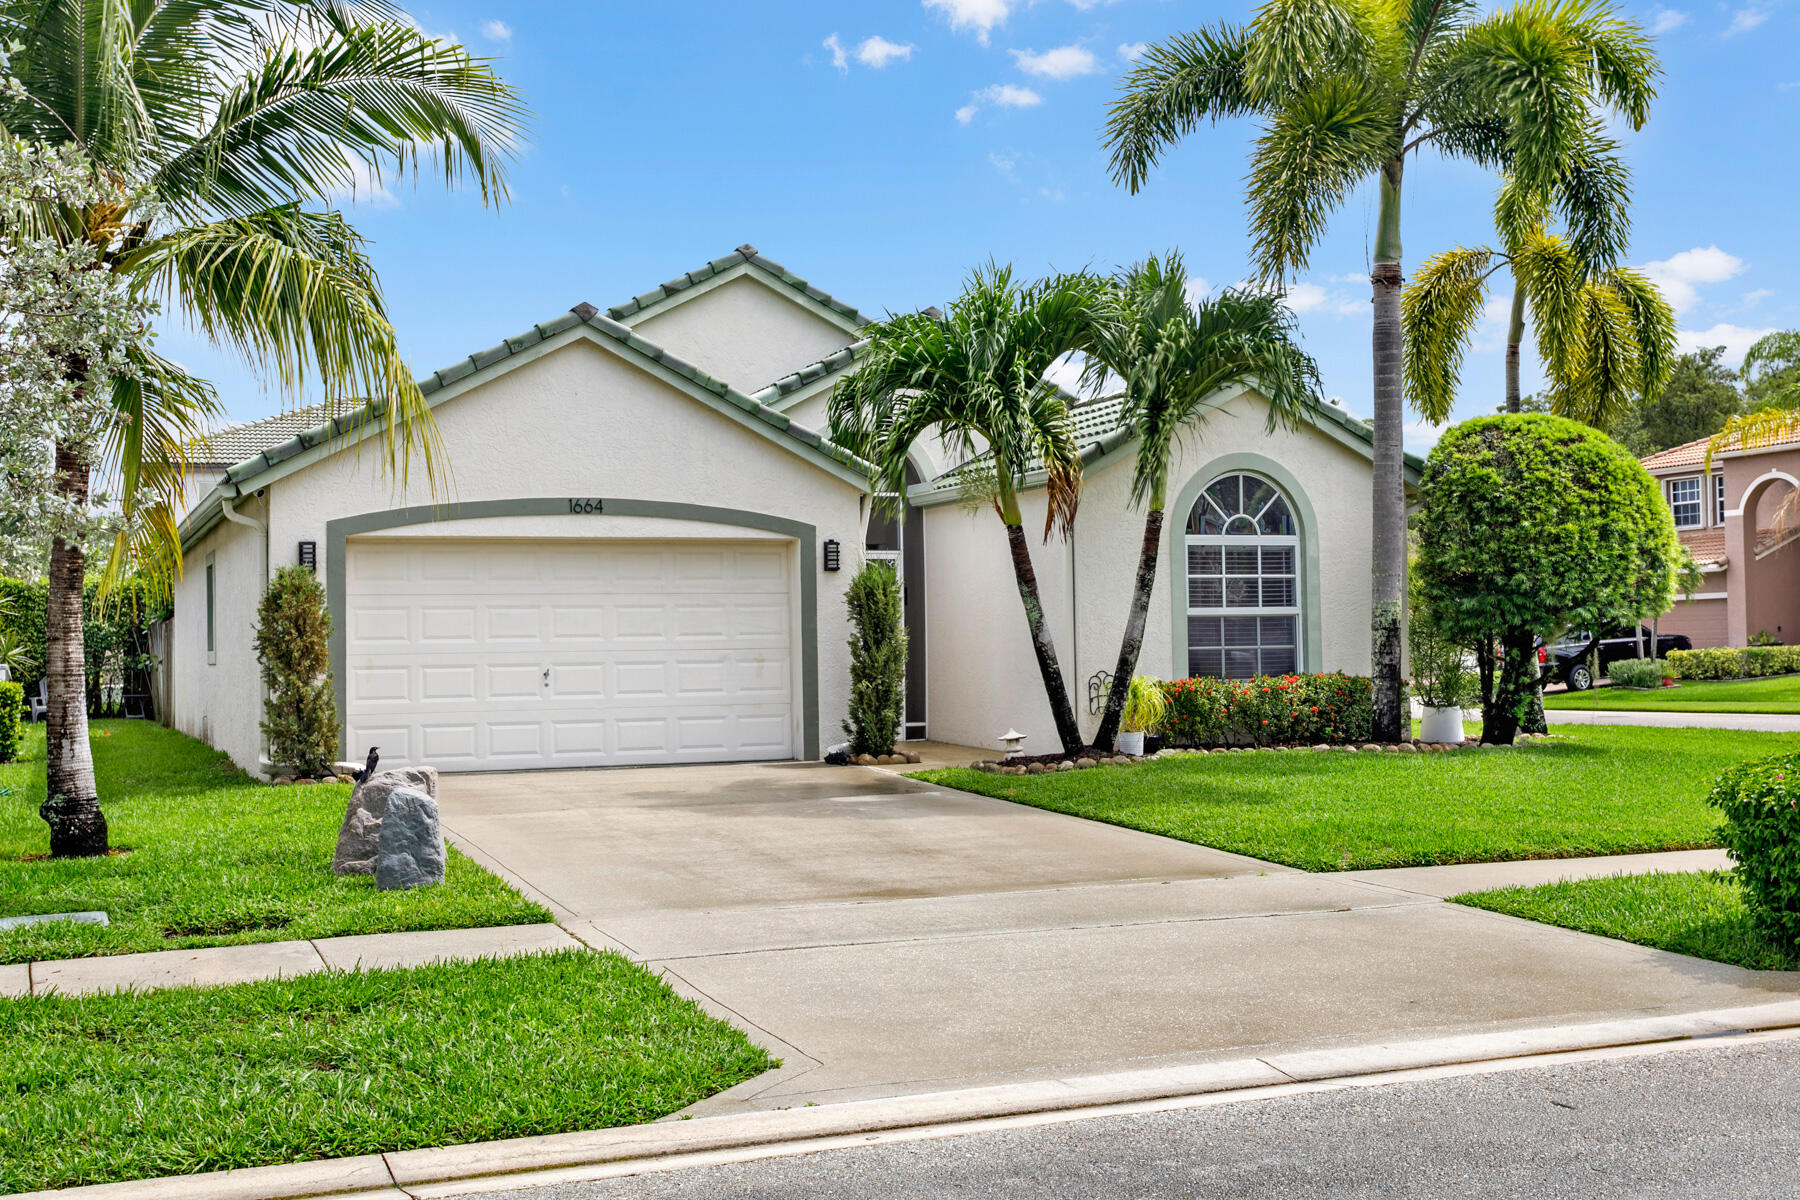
(1721, 1122)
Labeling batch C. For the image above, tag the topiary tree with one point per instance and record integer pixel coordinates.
(300, 718)
(1530, 524)
(877, 659)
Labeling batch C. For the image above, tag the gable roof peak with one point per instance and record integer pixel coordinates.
(585, 311)
(748, 251)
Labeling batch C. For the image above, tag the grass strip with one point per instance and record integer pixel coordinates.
(1780, 694)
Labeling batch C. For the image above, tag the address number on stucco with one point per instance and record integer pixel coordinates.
(586, 506)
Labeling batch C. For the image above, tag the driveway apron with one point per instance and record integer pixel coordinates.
(888, 937)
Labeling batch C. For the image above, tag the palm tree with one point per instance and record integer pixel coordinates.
(1177, 358)
(975, 376)
(1346, 90)
(1772, 372)
(222, 132)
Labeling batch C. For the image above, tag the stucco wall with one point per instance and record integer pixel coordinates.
(745, 332)
(578, 420)
(220, 702)
(982, 671)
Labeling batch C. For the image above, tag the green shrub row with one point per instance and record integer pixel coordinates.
(1270, 710)
(116, 632)
(12, 721)
(1638, 672)
(1727, 662)
(1761, 803)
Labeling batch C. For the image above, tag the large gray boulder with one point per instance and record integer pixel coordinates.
(359, 836)
(412, 842)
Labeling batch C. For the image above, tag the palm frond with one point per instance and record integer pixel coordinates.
(1753, 431)
(1652, 327)
(1600, 378)
(1438, 311)
(1177, 83)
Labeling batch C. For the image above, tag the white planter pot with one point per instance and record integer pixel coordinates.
(1441, 725)
(1129, 743)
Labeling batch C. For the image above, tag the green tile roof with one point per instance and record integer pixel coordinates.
(811, 373)
(718, 266)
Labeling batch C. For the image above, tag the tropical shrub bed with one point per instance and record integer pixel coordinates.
(1270, 710)
(1728, 662)
(1761, 803)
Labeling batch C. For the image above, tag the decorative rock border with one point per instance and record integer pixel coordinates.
(1002, 767)
(898, 759)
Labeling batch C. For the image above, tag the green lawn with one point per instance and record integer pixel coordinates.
(1780, 694)
(1701, 913)
(1590, 790)
(213, 859)
(170, 1082)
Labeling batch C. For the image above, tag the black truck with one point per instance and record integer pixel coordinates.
(1570, 660)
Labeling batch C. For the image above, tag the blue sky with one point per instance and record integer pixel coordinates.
(881, 149)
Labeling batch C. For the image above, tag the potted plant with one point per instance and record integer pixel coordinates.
(1440, 678)
(1144, 709)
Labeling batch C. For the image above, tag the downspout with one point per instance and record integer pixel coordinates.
(262, 530)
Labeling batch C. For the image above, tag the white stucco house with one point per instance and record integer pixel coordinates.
(642, 554)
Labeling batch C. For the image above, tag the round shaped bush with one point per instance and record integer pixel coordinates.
(1761, 803)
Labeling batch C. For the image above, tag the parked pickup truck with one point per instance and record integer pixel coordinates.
(1570, 660)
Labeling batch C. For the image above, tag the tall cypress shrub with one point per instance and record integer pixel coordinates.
(300, 718)
(877, 659)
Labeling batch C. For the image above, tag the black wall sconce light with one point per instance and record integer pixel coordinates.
(309, 556)
(833, 555)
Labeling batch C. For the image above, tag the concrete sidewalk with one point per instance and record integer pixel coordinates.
(1770, 722)
(1444, 882)
(276, 960)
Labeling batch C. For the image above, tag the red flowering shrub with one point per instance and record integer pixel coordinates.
(1271, 710)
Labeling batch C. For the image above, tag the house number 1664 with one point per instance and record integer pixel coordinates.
(585, 506)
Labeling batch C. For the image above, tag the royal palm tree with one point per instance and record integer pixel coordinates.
(975, 377)
(223, 133)
(1346, 91)
(1177, 358)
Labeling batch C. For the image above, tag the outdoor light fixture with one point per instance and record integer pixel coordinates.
(833, 560)
(1013, 741)
(309, 556)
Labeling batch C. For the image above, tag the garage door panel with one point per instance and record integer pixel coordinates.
(655, 653)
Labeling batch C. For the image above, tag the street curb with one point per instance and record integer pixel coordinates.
(532, 1161)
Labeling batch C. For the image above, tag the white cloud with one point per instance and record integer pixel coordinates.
(1667, 20)
(1305, 297)
(839, 59)
(496, 31)
(878, 52)
(966, 113)
(1132, 51)
(1010, 95)
(364, 187)
(1756, 296)
(1350, 277)
(1746, 19)
(982, 16)
(1678, 274)
(1064, 62)
(1003, 163)
(1421, 436)
(1197, 288)
(1086, 5)
(1355, 308)
(1737, 340)
(1789, 86)
(1490, 331)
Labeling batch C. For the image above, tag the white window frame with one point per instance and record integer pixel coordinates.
(1698, 500)
(1718, 480)
(1227, 541)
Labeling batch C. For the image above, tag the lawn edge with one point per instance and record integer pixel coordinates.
(575, 1157)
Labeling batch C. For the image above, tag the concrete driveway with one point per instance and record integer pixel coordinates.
(885, 937)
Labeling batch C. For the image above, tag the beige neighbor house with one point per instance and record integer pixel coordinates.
(1726, 518)
(643, 555)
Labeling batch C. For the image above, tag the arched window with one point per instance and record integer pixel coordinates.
(1243, 581)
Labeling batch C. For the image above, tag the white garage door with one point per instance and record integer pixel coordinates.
(500, 655)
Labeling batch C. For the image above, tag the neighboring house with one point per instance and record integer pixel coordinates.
(1749, 561)
(635, 560)
(218, 452)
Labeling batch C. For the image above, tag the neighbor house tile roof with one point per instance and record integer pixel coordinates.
(1688, 454)
(235, 443)
(718, 266)
(793, 381)
(1706, 545)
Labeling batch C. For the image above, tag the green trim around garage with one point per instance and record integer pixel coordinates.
(338, 533)
(1311, 616)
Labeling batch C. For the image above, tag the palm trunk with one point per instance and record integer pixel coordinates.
(1515, 336)
(1391, 716)
(1066, 728)
(1133, 641)
(72, 804)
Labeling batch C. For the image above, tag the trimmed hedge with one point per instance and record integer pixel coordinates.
(1728, 662)
(1761, 803)
(1270, 710)
(12, 720)
(117, 634)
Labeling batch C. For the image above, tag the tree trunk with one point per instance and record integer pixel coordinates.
(1515, 336)
(1058, 693)
(1392, 718)
(72, 804)
(1133, 641)
(1512, 691)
